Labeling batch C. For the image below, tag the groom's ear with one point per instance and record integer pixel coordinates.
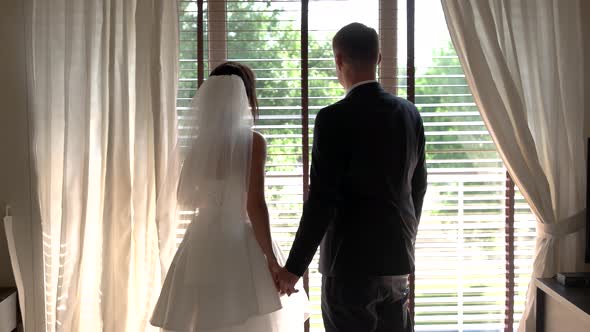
(379, 59)
(338, 59)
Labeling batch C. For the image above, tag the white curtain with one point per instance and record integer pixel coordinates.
(102, 87)
(523, 60)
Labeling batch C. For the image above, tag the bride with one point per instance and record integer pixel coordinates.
(223, 277)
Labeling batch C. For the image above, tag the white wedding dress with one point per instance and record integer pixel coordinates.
(218, 280)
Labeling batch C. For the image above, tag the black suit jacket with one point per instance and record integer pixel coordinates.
(368, 180)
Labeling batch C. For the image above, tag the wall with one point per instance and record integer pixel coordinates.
(585, 12)
(14, 153)
(586, 28)
(16, 177)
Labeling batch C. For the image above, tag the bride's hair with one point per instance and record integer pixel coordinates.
(247, 76)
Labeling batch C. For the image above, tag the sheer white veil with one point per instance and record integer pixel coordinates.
(210, 165)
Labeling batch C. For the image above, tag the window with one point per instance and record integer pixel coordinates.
(464, 275)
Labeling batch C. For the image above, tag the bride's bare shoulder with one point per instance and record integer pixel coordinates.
(258, 144)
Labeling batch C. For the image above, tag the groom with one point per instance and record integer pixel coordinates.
(368, 180)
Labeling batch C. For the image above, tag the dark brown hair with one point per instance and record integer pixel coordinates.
(247, 76)
(358, 44)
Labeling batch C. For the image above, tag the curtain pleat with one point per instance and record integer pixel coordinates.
(102, 79)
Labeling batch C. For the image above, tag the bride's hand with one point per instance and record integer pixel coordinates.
(274, 268)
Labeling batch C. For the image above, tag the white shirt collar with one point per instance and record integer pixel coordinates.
(359, 84)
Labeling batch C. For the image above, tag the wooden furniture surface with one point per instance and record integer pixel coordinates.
(8, 311)
(562, 308)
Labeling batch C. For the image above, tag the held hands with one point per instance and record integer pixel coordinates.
(287, 281)
(284, 280)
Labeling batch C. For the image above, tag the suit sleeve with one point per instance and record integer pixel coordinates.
(419, 179)
(327, 171)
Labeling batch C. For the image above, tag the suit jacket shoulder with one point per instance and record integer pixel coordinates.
(406, 103)
(330, 110)
(332, 116)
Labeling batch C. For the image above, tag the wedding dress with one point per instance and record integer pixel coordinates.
(218, 280)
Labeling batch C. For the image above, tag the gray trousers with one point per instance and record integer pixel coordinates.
(365, 304)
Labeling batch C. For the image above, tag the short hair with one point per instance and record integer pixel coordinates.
(358, 44)
(248, 77)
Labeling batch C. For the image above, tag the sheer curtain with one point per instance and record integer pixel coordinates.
(523, 61)
(102, 87)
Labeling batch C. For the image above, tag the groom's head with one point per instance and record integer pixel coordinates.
(356, 52)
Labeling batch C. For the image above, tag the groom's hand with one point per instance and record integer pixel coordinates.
(287, 281)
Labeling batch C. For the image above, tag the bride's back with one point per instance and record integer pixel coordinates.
(218, 147)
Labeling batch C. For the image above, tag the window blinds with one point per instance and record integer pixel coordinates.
(476, 237)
